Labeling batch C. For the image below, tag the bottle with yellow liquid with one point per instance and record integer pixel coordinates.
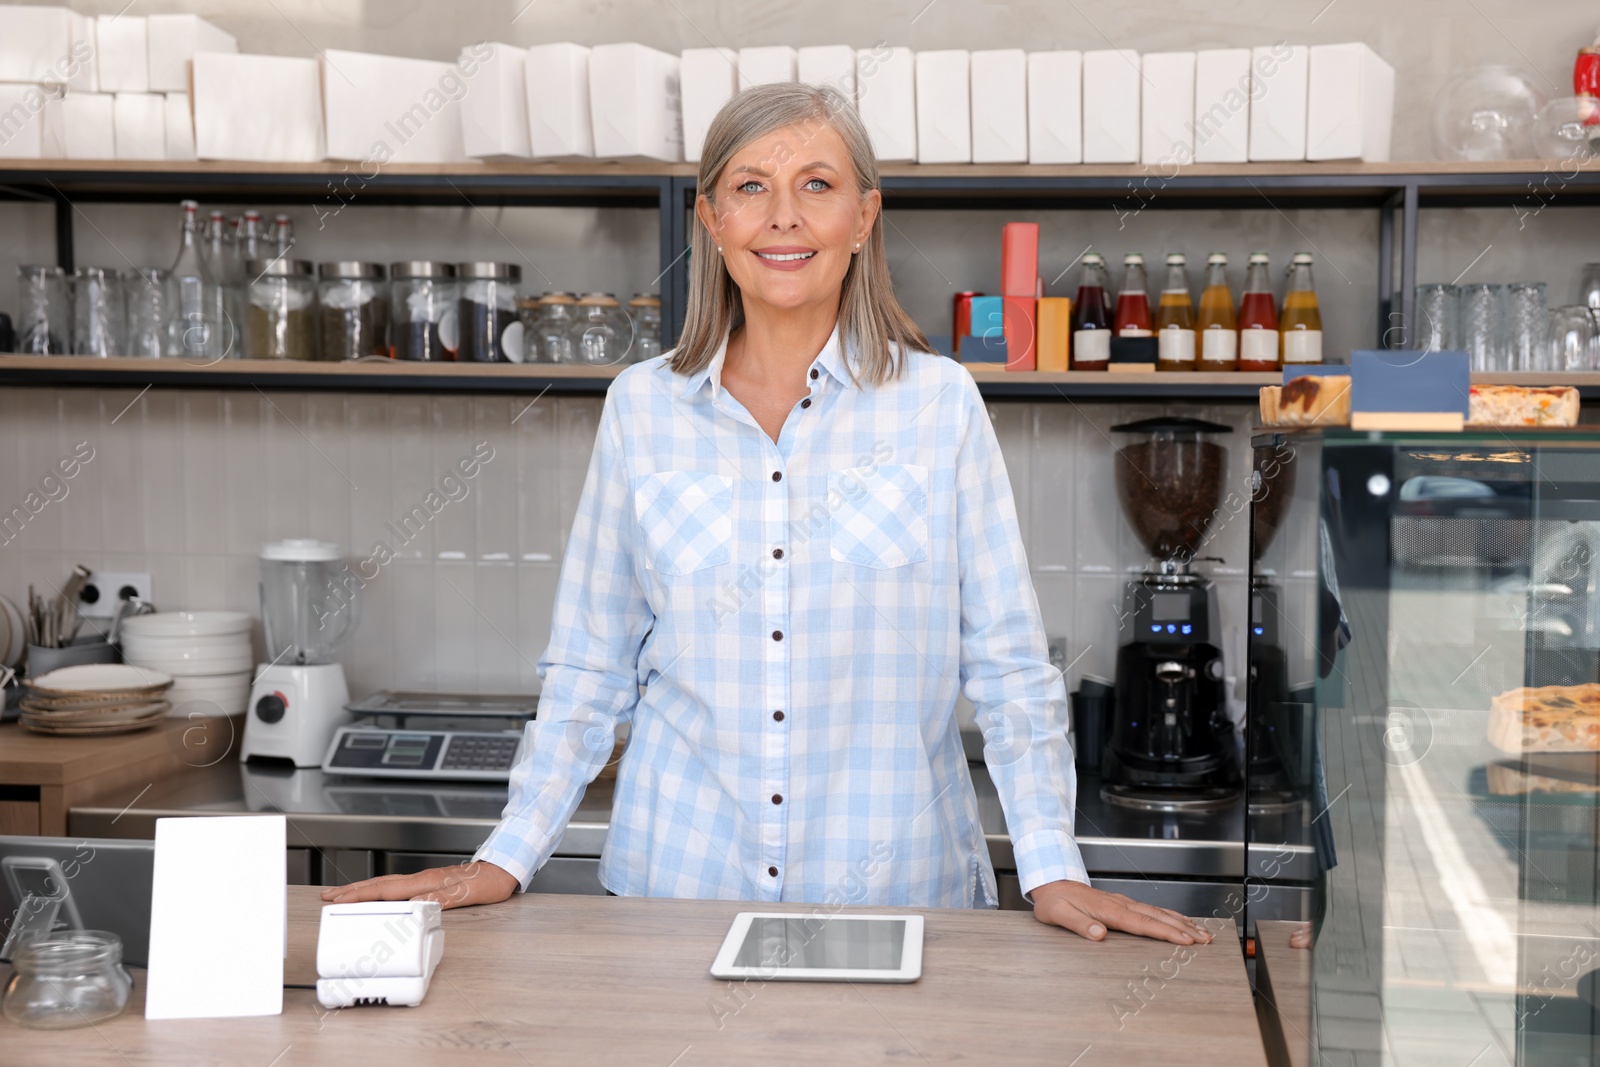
(1174, 321)
(1300, 325)
(1217, 327)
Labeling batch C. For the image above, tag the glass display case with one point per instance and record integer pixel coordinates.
(1423, 744)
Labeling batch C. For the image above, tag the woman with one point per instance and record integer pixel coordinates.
(797, 535)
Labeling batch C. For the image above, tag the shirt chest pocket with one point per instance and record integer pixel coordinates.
(685, 520)
(879, 515)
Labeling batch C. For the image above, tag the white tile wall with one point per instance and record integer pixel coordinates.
(188, 484)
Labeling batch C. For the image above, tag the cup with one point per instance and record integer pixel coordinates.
(1574, 333)
(1437, 318)
(1483, 325)
(1527, 323)
(97, 318)
(144, 298)
(43, 323)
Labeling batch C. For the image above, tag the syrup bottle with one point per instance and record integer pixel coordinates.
(1175, 318)
(1258, 319)
(1133, 302)
(1300, 326)
(1217, 326)
(1091, 318)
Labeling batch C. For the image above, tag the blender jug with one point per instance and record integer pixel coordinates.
(308, 601)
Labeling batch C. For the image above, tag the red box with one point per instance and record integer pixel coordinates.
(1019, 284)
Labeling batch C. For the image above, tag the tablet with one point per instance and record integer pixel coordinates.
(797, 947)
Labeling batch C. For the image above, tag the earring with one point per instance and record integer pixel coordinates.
(858, 247)
(719, 250)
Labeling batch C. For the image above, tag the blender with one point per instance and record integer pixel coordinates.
(309, 607)
(1170, 746)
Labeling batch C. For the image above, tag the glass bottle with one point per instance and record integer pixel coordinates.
(645, 311)
(1300, 326)
(1133, 299)
(252, 238)
(221, 253)
(1217, 326)
(197, 326)
(1175, 318)
(1091, 318)
(1258, 319)
(282, 235)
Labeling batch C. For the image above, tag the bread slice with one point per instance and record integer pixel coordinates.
(1322, 400)
(1269, 404)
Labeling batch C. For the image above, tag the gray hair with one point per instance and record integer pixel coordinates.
(870, 317)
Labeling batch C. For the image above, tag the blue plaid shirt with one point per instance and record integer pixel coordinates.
(799, 615)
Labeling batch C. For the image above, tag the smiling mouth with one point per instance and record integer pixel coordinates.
(785, 257)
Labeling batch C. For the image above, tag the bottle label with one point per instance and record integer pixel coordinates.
(1176, 346)
(1302, 346)
(1219, 346)
(1091, 346)
(1258, 346)
(1134, 332)
(511, 341)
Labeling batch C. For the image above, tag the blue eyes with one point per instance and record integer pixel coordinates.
(744, 187)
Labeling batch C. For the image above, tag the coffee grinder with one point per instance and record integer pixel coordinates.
(1171, 744)
(1273, 734)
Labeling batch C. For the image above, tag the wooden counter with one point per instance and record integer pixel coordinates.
(42, 777)
(1283, 988)
(567, 979)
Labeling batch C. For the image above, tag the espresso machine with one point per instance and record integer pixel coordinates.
(1170, 745)
(1273, 734)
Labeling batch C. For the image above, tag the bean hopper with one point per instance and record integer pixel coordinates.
(309, 606)
(1170, 744)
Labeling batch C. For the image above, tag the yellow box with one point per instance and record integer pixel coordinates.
(1055, 332)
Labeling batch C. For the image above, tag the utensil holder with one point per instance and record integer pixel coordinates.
(42, 660)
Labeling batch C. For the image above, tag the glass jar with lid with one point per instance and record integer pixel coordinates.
(557, 314)
(489, 329)
(601, 333)
(354, 310)
(66, 979)
(280, 314)
(423, 296)
(645, 311)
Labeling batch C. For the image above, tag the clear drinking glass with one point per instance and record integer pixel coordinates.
(1589, 285)
(145, 310)
(67, 979)
(1483, 325)
(1528, 318)
(1574, 334)
(96, 313)
(1437, 319)
(43, 321)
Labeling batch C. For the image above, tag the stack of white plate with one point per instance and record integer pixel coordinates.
(95, 698)
(206, 652)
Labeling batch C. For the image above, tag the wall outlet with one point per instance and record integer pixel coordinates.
(98, 599)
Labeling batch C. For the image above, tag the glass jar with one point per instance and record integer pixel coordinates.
(96, 313)
(144, 304)
(423, 299)
(529, 312)
(557, 314)
(601, 331)
(280, 315)
(67, 979)
(645, 311)
(490, 331)
(42, 321)
(353, 307)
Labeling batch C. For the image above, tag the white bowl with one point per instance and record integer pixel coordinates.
(222, 694)
(190, 662)
(187, 624)
(227, 646)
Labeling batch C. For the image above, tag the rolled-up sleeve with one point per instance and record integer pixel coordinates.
(589, 672)
(1020, 697)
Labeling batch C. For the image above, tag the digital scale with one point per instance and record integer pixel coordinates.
(397, 734)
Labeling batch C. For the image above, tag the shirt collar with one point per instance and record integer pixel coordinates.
(830, 359)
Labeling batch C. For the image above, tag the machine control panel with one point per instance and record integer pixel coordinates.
(393, 753)
(1170, 616)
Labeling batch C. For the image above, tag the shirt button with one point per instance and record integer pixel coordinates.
(777, 635)
(777, 798)
(773, 871)
(813, 374)
(777, 716)
(777, 553)
(777, 476)
(806, 402)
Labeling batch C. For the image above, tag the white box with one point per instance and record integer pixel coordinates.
(87, 125)
(392, 108)
(174, 41)
(122, 53)
(1279, 78)
(634, 103)
(558, 102)
(1055, 107)
(494, 111)
(141, 125)
(886, 97)
(1167, 110)
(1349, 104)
(23, 122)
(708, 77)
(257, 108)
(1221, 128)
(832, 65)
(1000, 106)
(48, 45)
(761, 66)
(944, 106)
(180, 126)
(1111, 106)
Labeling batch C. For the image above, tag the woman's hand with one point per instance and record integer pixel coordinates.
(1090, 912)
(478, 882)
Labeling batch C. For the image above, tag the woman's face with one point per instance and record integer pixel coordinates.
(787, 216)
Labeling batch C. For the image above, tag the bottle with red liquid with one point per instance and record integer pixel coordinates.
(1133, 300)
(1258, 319)
(1091, 318)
